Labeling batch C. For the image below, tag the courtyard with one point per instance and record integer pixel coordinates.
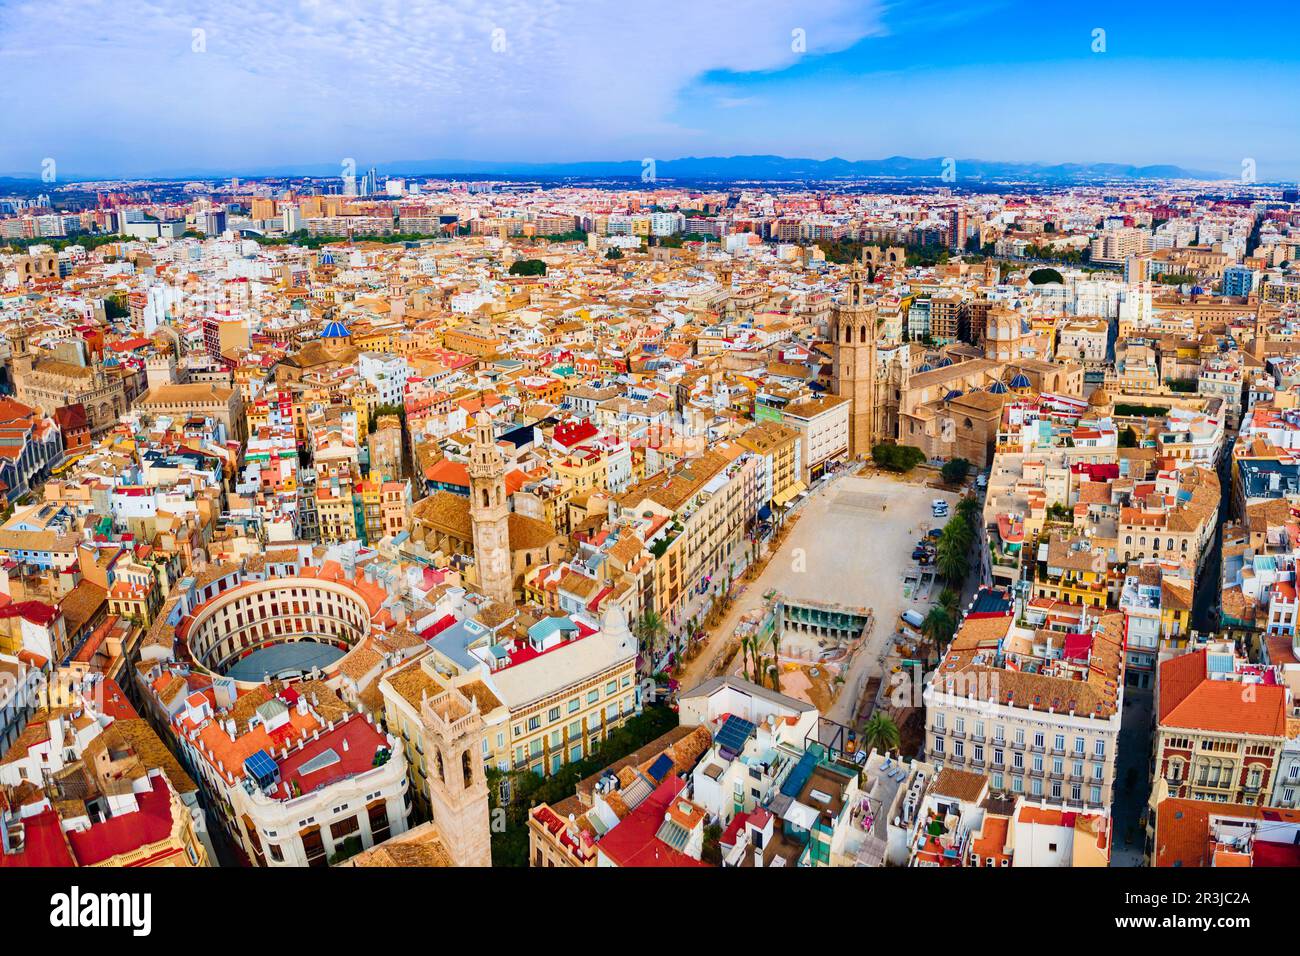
(852, 546)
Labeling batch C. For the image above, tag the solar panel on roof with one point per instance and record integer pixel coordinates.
(661, 768)
(733, 734)
(261, 768)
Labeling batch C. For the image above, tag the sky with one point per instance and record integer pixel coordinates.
(132, 88)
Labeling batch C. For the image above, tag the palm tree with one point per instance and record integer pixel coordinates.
(650, 629)
(960, 531)
(881, 732)
(748, 649)
(952, 560)
(949, 601)
(969, 508)
(939, 626)
(776, 661)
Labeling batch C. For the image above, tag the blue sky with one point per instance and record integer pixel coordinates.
(129, 87)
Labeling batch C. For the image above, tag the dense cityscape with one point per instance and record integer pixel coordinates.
(393, 521)
(706, 464)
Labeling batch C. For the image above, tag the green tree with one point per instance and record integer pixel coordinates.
(650, 630)
(897, 457)
(952, 559)
(955, 471)
(970, 511)
(950, 601)
(881, 733)
(614, 254)
(1043, 276)
(776, 660)
(959, 531)
(528, 267)
(1128, 438)
(939, 626)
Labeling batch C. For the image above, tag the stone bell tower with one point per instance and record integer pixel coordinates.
(458, 791)
(489, 514)
(853, 336)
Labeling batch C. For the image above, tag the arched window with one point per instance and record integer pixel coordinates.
(437, 759)
(485, 498)
(468, 768)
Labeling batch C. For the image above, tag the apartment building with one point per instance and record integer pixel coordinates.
(1037, 709)
(1221, 725)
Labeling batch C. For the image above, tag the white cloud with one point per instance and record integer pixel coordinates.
(102, 82)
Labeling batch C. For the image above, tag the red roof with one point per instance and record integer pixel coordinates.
(1189, 699)
(37, 612)
(129, 831)
(362, 742)
(633, 842)
(43, 844)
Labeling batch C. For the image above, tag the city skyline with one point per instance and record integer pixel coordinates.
(136, 90)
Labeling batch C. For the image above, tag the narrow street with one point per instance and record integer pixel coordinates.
(1132, 788)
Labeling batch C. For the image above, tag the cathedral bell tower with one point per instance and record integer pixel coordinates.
(489, 514)
(853, 336)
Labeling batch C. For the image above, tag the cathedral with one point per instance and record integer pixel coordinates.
(69, 376)
(854, 327)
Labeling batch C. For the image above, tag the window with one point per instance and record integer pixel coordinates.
(958, 749)
(1099, 747)
(553, 714)
(1038, 739)
(574, 704)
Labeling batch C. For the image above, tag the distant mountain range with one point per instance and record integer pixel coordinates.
(784, 168)
(771, 168)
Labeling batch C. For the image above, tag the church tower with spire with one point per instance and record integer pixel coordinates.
(853, 337)
(489, 514)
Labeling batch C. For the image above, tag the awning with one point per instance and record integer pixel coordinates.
(789, 493)
(764, 513)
